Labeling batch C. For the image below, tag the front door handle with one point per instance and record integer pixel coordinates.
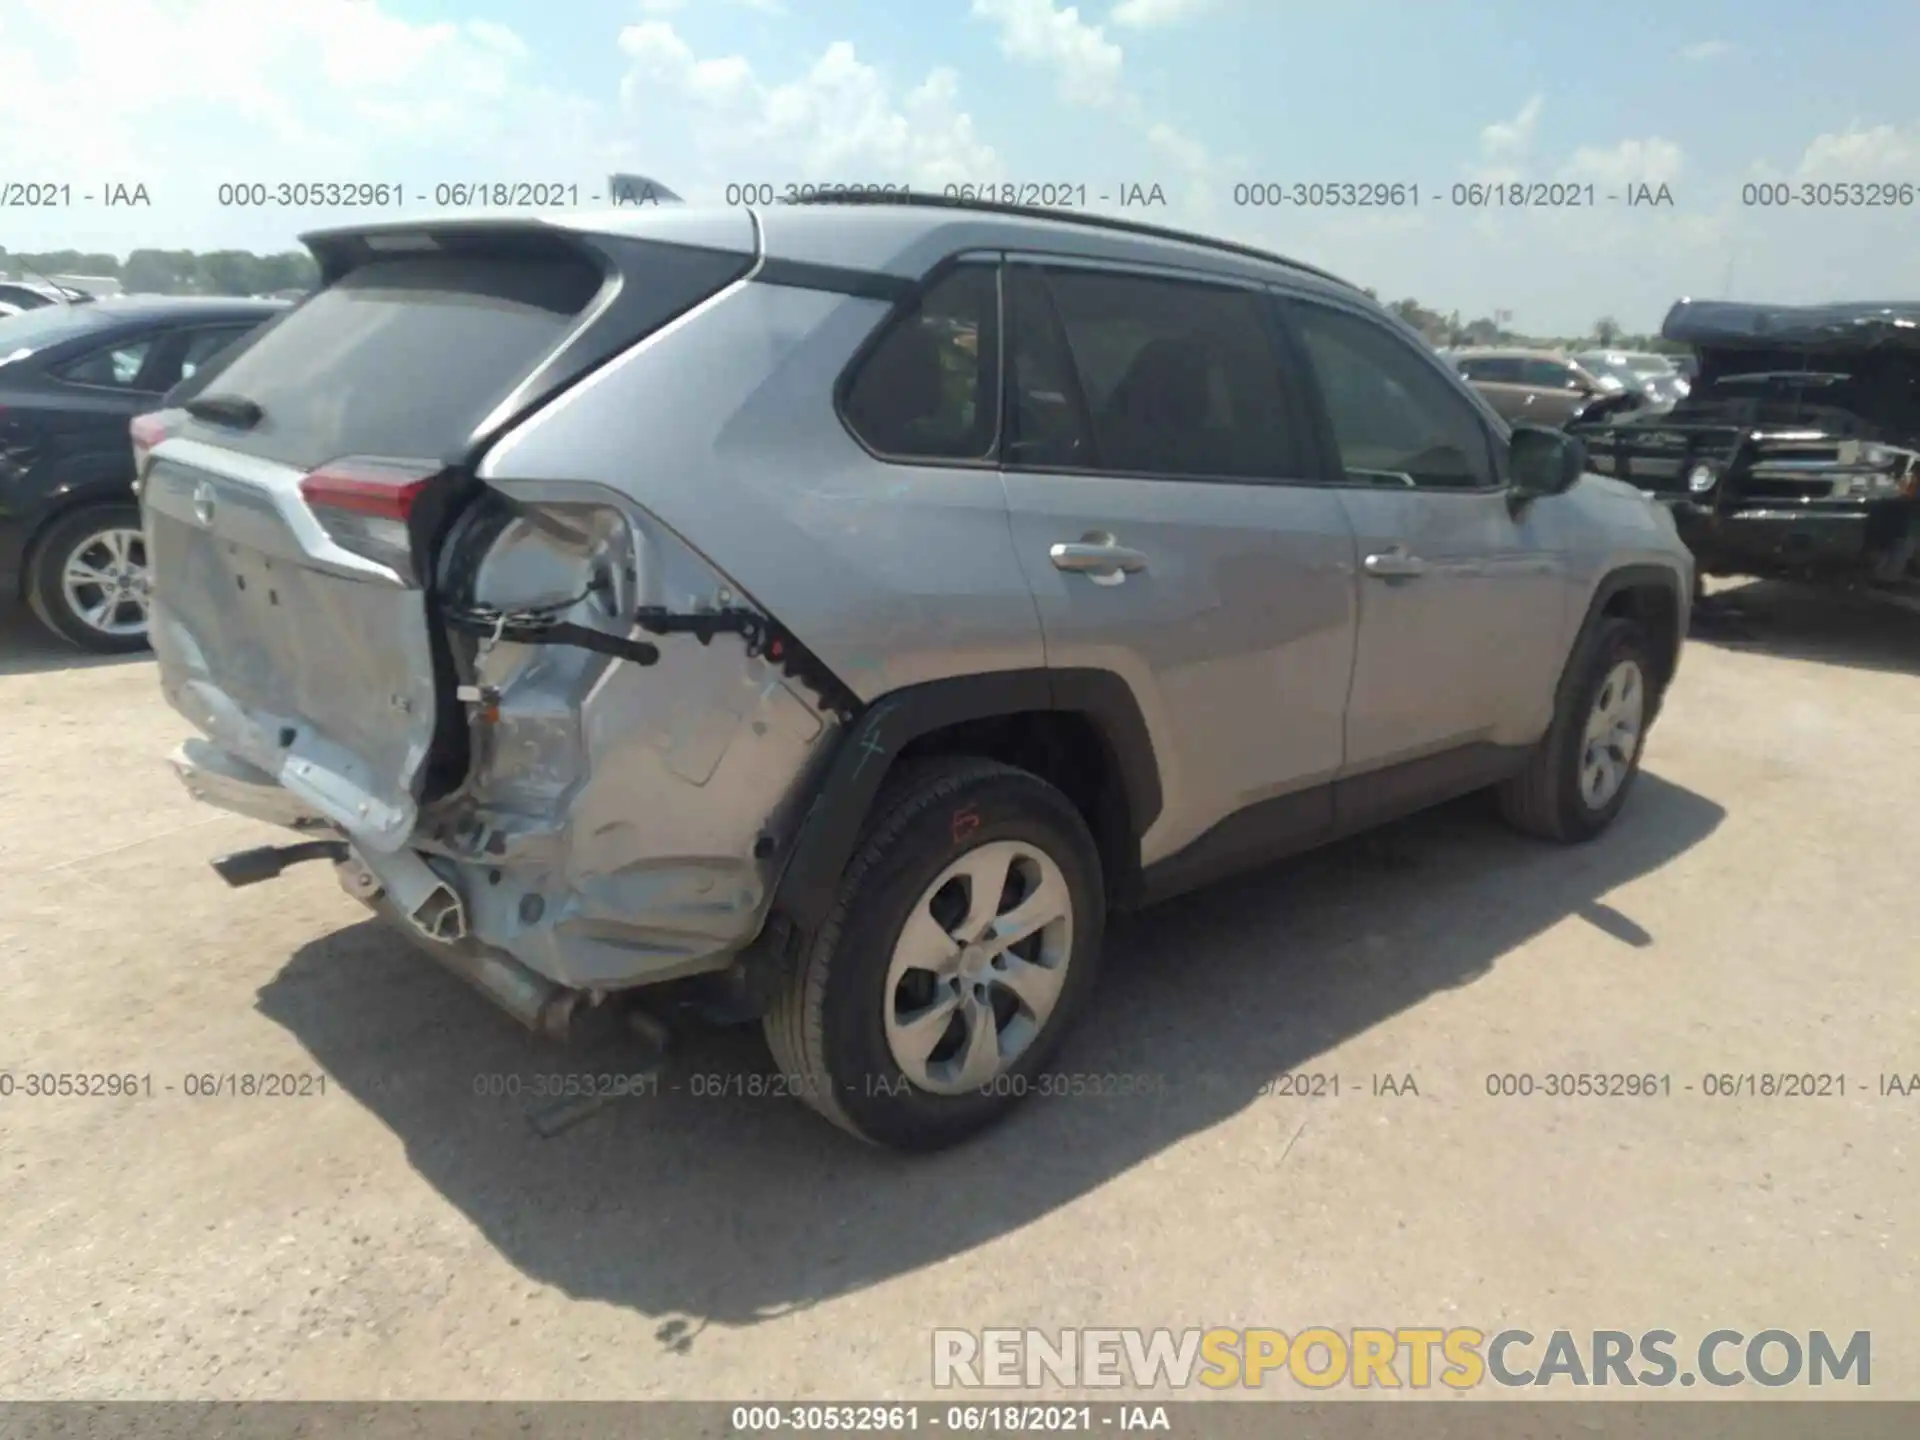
(1398, 563)
(1101, 559)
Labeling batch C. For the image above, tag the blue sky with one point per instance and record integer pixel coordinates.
(1197, 96)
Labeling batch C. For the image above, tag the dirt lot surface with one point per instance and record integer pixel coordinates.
(401, 1236)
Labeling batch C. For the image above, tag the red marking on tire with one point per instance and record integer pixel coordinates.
(966, 820)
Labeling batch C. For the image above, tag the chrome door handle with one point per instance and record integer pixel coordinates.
(1103, 560)
(1395, 564)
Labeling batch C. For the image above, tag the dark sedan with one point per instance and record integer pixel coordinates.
(71, 379)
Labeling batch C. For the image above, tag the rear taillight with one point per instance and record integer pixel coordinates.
(380, 489)
(147, 432)
(365, 505)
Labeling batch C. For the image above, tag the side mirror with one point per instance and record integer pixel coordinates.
(1542, 461)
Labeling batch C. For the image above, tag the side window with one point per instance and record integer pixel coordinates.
(1394, 416)
(1177, 378)
(203, 345)
(1496, 370)
(1047, 421)
(930, 390)
(115, 365)
(1549, 375)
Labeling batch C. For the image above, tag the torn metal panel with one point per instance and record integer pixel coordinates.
(623, 821)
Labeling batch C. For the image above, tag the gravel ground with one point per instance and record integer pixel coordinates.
(401, 1236)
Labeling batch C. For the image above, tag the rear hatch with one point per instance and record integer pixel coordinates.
(296, 493)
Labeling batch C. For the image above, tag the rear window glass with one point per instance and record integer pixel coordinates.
(33, 330)
(402, 358)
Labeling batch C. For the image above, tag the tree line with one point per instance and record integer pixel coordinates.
(1450, 330)
(176, 272)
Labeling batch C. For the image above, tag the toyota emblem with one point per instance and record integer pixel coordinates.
(203, 502)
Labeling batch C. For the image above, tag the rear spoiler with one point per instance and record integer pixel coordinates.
(1729, 325)
(639, 190)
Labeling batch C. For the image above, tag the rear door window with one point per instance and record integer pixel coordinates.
(403, 357)
(1550, 375)
(930, 388)
(1493, 370)
(115, 367)
(1179, 378)
(1047, 425)
(203, 345)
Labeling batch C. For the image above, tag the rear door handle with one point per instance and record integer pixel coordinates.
(1104, 561)
(1398, 563)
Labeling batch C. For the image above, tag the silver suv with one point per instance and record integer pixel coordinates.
(825, 615)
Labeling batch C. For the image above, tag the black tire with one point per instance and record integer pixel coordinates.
(827, 1030)
(46, 594)
(1545, 799)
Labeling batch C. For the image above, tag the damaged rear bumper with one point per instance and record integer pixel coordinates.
(539, 915)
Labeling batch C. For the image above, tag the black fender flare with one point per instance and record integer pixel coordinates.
(1613, 584)
(843, 794)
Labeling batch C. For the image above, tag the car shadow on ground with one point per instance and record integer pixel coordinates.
(709, 1203)
(26, 648)
(1808, 622)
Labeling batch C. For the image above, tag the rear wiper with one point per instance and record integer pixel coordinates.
(235, 410)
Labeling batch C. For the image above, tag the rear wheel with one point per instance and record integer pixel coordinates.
(88, 582)
(963, 943)
(1578, 776)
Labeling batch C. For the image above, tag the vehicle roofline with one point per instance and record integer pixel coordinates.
(1066, 219)
(1045, 221)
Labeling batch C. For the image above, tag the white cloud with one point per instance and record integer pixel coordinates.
(1086, 63)
(1088, 67)
(1878, 152)
(839, 122)
(1515, 136)
(1653, 162)
(184, 95)
(674, 7)
(1153, 14)
(1704, 50)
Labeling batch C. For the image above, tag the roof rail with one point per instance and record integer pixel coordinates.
(1071, 217)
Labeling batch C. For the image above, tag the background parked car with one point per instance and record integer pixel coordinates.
(34, 294)
(71, 378)
(1654, 377)
(1536, 386)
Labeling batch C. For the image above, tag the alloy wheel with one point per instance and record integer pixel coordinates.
(978, 967)
(1612, 737)
(104, 582)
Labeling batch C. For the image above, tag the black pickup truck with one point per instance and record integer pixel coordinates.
(1796, 454)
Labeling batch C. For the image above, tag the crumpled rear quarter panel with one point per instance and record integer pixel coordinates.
(624, 823)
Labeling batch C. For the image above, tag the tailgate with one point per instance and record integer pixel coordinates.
(296, 655)
(296, 492)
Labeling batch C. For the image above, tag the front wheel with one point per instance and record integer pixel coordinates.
(1577, 778)
(88, 580)
(963, 943)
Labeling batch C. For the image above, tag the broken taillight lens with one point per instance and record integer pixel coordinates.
(365, 505)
